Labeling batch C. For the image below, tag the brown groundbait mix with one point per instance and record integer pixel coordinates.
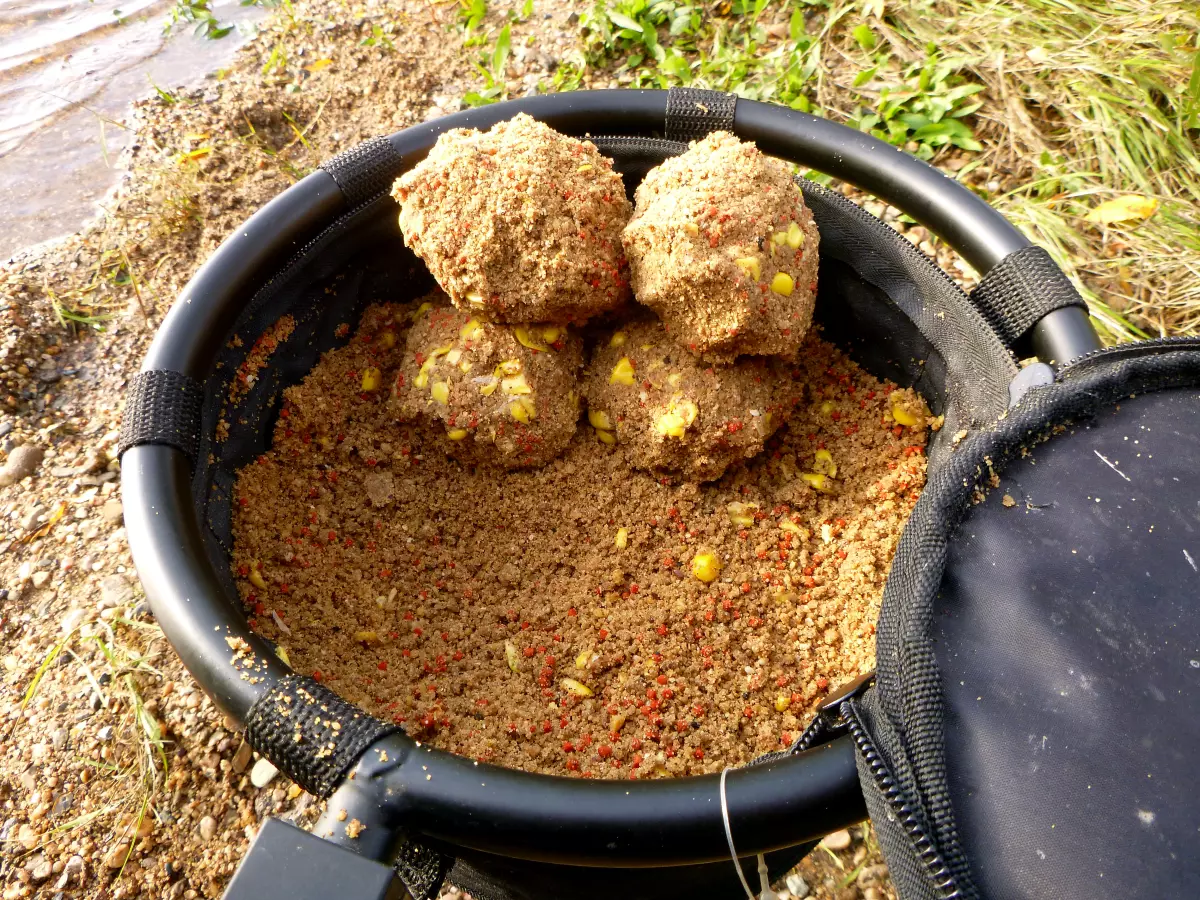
(549, 619)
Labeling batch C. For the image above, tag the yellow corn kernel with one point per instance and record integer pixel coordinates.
(598, 418)
(818, 482)
(467, 366)
(691, 228)
(823, 463)
(750, 266)
(551, 333)
(366, 637)
(779, 238)
(522, 410)
(422, 309)
(903, 416)
(677, 418)
(454, 356)
(616, 723)
(586, 167)
(578, 688)
(622, 372)
(706, 567)
(622, 539)
(489, 387)
(468, 331)
(440, 392)
(387, 339)
(618, 339)
(582, 660)
(515, 384)
(256, 579)
(782, 284)
(508, 367)
(606, 437)
(281, 652)
(456, 434)
(742, 514)
(782, 702)
(826, 407)
(295, 790)
(475, 298)
(795, 236)
(527, 339)
(512, 655)
(799, 530)
(674, 378)
(785, 597)
(826, 534)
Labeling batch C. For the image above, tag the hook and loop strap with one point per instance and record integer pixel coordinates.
(162, 407)
(692, 113)
(365, 170)
(310, 733)
(1026, 286)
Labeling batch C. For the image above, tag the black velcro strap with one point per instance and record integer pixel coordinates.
(422, 869)
(162, 407)
(310, 733)
(366, 170)
(1023, 288)
(692, 113)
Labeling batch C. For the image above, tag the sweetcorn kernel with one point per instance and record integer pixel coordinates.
(523, 410)
(823, 463)
(606, 437)
(706, 567)
(469, 330)
(691, 228)
(551, 333)
(677, 418)
(795, 236)
(750, 266)
(782, 702)
(598, 418)
(489, 386)
(440, 392)
(456, 434)
(742, 514)
(622, 372)
(578, 688)
(475, 298)
(372, 379)
(422, 309)
(527, 339)
(779, 238)
(582, 660)
(622, 539)
(387, 339)
(515, 384)
(618, 339)
(256, 579)
(586, 167)
(782, 284)
(903, 416)
(512, 655)
(818, 482)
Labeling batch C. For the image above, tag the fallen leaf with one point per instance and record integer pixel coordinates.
(1126, 208)
(319, 65)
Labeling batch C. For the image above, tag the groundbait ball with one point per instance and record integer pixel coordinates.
(674, 414)
(503, 395)
(519, 223)
(723, 249)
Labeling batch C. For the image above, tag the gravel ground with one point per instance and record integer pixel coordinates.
(118, 778)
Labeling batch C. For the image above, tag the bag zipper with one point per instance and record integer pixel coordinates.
(1134, 350)
(935, 866)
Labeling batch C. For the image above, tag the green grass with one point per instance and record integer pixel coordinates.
(1057, 105)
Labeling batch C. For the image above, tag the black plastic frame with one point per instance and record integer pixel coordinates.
(673, 822)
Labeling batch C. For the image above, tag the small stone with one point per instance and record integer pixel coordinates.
(62, 805)
(72, 619)
(40, 869)
(112, 511)
(73, 869)
(21, 463)
(241, 759)
(26, 836)
(1008, 501)
(797, 885)
(105, 733)
(114, 591)
(58, 738)
(39, 752)
(208, 828)
(839, 840)
(262, 773)
(62, 472)
(117, 855)
(40, 578)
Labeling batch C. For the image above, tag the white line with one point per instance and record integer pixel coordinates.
(1191, 562)
(1108, 462)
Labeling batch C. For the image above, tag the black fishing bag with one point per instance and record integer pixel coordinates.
(1035, 726)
